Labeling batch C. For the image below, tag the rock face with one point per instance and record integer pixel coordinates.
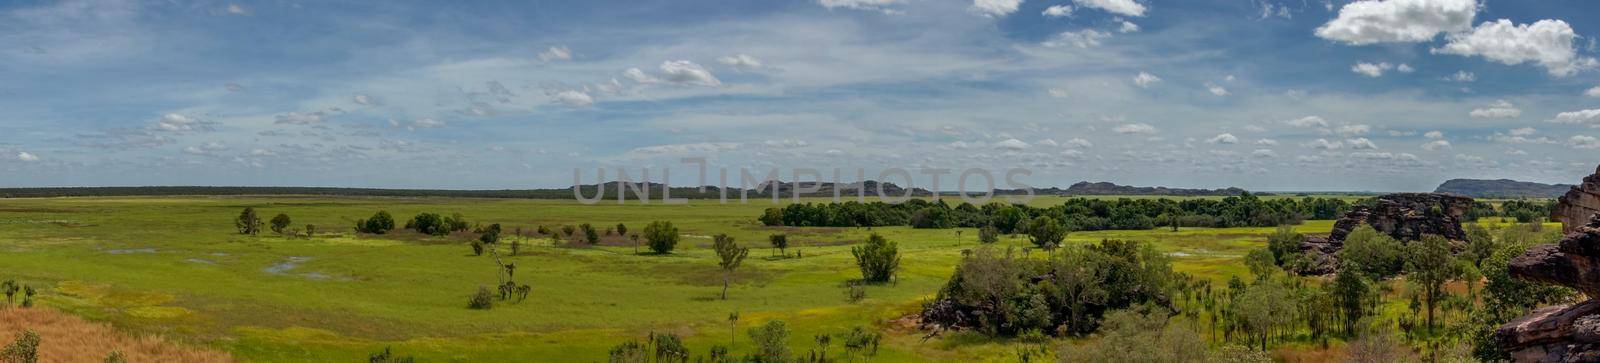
(1565, 333)
(1404, 216)
(1579, 203)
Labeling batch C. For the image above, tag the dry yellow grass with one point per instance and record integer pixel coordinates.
(67, 338)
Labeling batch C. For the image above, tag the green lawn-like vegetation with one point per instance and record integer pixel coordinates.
(178, 266)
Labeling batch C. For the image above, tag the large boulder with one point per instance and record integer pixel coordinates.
(1579, 203)
(1564, 333)
(1404, 216)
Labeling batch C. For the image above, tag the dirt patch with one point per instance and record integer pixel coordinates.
(67, 338)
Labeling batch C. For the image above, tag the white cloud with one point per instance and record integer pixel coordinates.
(1223, 139)
(1049, 142)
(995, 8)
(1135, 128)
(1373, 70)
(1145, 79)
(1086, 38)
(1057, 93)
(1079, 143)
(1323, 144)
(1361, 144)
(1545, 42)
(1524, 131)
(206, 148)
(1128, 27)
(1255, 128)
(425, 123)
(786, 144)
(1463, 76)
(885, 6)
(1404, 68)
(362, 99)
(556, 53)
(1308, 121)
(236, 9)
(1011, 144)
(679, 72)
(1436, 145)
(25, 156)
(1593, 92)
(297, 118)
(1353, 130)
(741, 61)
(1057, 11)
(262, 152)
(1264, 153)
(1398, 21)
(1216, 89)
(1590, 117)
(574, 98)
(1120, 7)
(1500, 109)
(1584, 142)
(1267, 142)
(686, 148)
(177, 122)
(1434, 135)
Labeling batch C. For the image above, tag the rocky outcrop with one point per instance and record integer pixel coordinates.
(1404, 216)
(1565, 333)
(1579, 203)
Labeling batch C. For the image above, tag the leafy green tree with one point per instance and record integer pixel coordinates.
(1480, 244)
(1262, 308)
(1350, 295)
(590, 235)
(10, 288)
(1140, 334)
(729, 255)
(1430, 265)
(311, 230)
(248, 222)
(772, 217)
(1373, 253)
(380, 223)
(1284, 244)
(280, 222)
(772, 342)
(622, 230)
(1261, 263)
(878, 259)
(779, 241)
(661, 236)
(429, 224)
(1046, 232)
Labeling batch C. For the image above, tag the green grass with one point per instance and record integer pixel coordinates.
(175, 266)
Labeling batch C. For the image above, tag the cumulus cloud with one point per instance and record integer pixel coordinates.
(574, 98)
(1361, 144)
(1353, 130)
(743, 62)
(1086, 38)
(885, 6)
(1323, 144)
(424, 123)
(1524, 131)
(176, 122)
(1463, 77)
(28, 157)
(298, 118)
(1398, 21)
(363, 99)
(995, 8)
(1057, 11)
(1057, 93)
(785, 144)
(1135, 128)
(206, 148)
(1500, 109)
(1049, 142)
(1145, 79)
(1011, 144)
(555, 53)
(1264, 153)
(1308, 121)
(1373, 70)
(1582, 117)
(686, 148)
(1593, 92)
(1584, 142)
(1228, 139)
(1267, 142)
(1435, 135)
(1128, 27)
(1216, 89)
(678, 72)
(1548, 43)
(1079, 143)
(1436, 145)
(1119, 7)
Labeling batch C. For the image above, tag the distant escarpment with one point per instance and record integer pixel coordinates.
(1404, 216)
(1105, 188)
(1501, 188)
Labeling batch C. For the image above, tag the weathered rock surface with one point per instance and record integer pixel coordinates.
(1579, 203)
(1404, 216)
(1565, 333)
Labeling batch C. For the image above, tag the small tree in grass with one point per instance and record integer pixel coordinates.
(1046, 233)
(280, 222)
(1429, 264)
(248, 222)
(988, 234)
(622, 230)
(568, 230)
(482, 300)
(311, 230)
(779, 241)
(590, 235)
(772, 341)
(24, 350)
(380, 223)
(878, 259)
(662, 236)
(731, 255)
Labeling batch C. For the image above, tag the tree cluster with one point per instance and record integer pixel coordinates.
(1078, 214)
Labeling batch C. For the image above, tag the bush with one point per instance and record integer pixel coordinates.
(772, 217)
(878, 259)
(1375, 254)
(662, 236)
(429, 224)
(780, 242)
(24, 350)
(589, 234)
(482, 300)
(380, 223)
(1046, 232)
(772, 342)
(988, 234)
(1284, 244)
(387, 356)
(280, 222)
(1140, 335)
(116, 356)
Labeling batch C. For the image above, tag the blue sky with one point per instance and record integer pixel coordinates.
(1263, 94)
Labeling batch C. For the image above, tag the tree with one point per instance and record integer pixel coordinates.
(10, 288)
(481, 300)
(429, 224)
(772, 342)
(1350, 293)
(662, 236)
(1284, 243)
(1373, 253)
(248, 222)
(1261, 263)
(590, 235)
(878, 259)
(24, 350)
(1046, 232)
(1430, 265)
(280, 222)
(1480, 244)
(622, 230)
(311, 230)
(988, 234)
(731, 255)
(1263, 307)
(380, 223)
(779, 241)
(772, 217)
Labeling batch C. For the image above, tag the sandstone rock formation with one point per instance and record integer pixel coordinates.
(1579, 203)
(1404, 216)
(1565, 333)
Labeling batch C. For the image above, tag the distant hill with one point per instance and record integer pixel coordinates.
(1502, 188)
(1105, 188)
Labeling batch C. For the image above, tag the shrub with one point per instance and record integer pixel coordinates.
(568, 230)
(311, 230)
(477, 248)
(622, 230)
(116, 356)
(380, 223)
(988, 234)
(629, 352)
(1284, 244)
(590, 235)
(1375, 254)
(1046, 232)
(387, 356)
(771, 341)
(855, 293)
(878, 259)
(429, 224)
(481, 300)
(779, 241)
(24, 350)
(280, 222)
(662, 236)
(772, 217)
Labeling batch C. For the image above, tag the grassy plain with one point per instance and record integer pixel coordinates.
(176, 266)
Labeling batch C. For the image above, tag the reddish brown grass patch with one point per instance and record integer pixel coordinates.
(67, 338)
